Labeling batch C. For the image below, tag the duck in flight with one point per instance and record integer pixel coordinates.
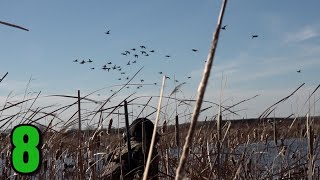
(254, 36)
(194, 50)
(124, 54)
(224, 27)
(127, 52)
(108, 32)
(109, 62)
(134, 61)
(90, 61)
(75, 60)
(143, 52)
(142, 47)
(152, 51)
(136, 56)
(160, 72)
(299, 71)
(82, 62)
(189, 77)
(92, 68)
(133, 49)
(128, 63)
(167, 56)
(141, 80)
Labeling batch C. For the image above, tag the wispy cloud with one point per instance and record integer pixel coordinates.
(305, 33)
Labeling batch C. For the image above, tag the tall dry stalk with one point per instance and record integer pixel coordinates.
(201, 91)
(310, 148)
(145, 173)
(80, 163)
(13, 25)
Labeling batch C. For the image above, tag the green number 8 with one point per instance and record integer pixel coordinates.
(25, 153)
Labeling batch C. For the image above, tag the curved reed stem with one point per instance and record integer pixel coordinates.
(201, 91)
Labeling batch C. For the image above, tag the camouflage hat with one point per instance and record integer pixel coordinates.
(135, 129)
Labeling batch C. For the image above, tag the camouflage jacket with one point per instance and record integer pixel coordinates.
(138, 157)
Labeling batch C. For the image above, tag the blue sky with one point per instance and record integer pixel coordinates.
(62, 31)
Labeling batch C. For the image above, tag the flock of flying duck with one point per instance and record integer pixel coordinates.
(136, 53)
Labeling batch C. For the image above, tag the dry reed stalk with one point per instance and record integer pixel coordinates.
(310, 148)
(127, 133)
(275, 134)
(201, 90)
(4, 75)
(145, 173)
(294, 120)
(177, 135)
(167, 162)
(13, 25)
(80, 163)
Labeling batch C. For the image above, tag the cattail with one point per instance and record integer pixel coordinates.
(164, 127)
(177, 135)
(110, 126)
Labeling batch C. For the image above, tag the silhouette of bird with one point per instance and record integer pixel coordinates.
(134, 61)
(146, 55)
(143, 52)
(224, 27)
(160, 72)
(82, 62)
(109, 62)
(92, 68)
(127, 52)
(119, 79)
(127, 87)
(133, 49)
(167, 56)
(254, 36)
(155, 83)
(104, 66)
(189, 77)
(128, 63)
(75, 60)
(136, 56)
(142, 80)
(167, 77)
(194, 50)
(176, 81)
(124, 54)
(122, 72)
(111, 90)
(142, 47)
(299, 71)
(119, 69)
(108, 32)
(114, 67)
(90, 61)
(127, 78)
(152, 51)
